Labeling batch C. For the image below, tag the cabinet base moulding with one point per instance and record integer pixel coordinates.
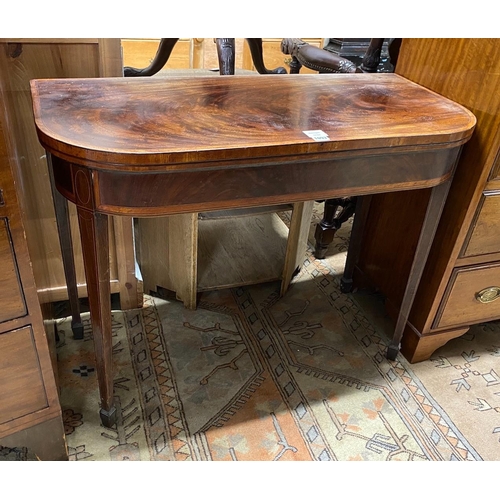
(417, 347)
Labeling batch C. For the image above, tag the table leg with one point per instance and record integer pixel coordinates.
(296, 245)
(354, 251)
(431, 221)
(95, 248)
(66, 243)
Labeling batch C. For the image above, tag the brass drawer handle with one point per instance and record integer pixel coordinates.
(488, 294)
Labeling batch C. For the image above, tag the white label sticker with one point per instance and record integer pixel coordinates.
(317, 135)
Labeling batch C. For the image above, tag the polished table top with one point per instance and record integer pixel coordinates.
(165, 123)
(159, 146)
(240, 141)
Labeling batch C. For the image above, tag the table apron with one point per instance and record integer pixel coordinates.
(163, 193)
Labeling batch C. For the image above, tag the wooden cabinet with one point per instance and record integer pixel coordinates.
(20, 61)
(30, 413)
(458, 287)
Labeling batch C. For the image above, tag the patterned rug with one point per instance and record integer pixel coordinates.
(252, 377)
(19, 454)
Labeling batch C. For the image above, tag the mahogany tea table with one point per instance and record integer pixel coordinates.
(147, 147)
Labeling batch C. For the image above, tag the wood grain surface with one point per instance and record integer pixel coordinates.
(164, 121)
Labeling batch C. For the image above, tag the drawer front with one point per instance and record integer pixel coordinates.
(472, 296)
(12, 304)
(484, 236)
(21, 389)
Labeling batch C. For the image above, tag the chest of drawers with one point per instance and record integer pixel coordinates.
(30, 413)
(461, 281)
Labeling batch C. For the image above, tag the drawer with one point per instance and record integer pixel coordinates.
(472, 296)
(484, 236)
(21, 390)
(12, 304)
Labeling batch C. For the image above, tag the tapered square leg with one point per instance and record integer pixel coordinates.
(433, 214)
(66, 243)
(95, 248)
(354, 251)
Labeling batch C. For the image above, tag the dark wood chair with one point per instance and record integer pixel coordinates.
(226, 51)
(337, 210)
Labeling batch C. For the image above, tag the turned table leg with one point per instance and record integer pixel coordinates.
(66, 243)
(95, 247)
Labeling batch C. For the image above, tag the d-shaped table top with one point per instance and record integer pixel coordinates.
(160, 146)
(168, 122)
